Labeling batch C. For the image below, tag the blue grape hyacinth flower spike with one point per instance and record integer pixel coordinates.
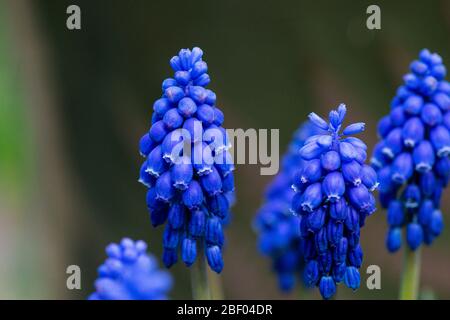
(188, 169)
(129, 273)
(412, 156)
(333, 199)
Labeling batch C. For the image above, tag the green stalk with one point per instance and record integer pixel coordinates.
(215, 285)
(199, 280)
(411, 275)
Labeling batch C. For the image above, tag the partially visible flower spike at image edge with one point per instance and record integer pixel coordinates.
(334, 197)
(191, 197)
(276, 226)
(129, 273)
(412, 160)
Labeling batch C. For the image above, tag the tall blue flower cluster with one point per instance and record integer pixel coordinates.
(412, 156)
(277, 227)
(188, 169)
(129, 273)
(333, 199)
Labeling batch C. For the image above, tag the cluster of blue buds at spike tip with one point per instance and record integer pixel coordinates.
(276, 226)
(188, 168)
(334, 196)
(129, 273)
(411, 157)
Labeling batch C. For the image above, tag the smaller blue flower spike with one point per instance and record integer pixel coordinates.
(129, 273)
(277, 228)
(412, 156)
(334, 196)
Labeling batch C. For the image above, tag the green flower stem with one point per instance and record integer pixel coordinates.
(199, 280)
(215, 285)
(411, 275)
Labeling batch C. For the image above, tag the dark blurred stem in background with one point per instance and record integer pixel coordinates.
(411, 275)
(48, 225)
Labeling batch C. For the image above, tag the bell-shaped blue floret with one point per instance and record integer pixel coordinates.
(214, 258)
(327, 287)
(395, 214)
(394, 239)
(414, 235)
(352, 278)
(402, 168)
(189, 251)
(333, 186)
(330, 161)
(312, 197)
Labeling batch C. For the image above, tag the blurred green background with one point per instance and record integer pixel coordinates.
(73, 105)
